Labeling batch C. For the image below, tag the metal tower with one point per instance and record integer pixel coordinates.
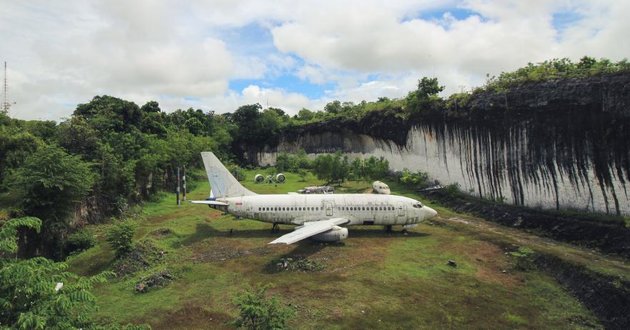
(5, 100)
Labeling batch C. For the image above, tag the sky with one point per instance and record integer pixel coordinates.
(218, 55)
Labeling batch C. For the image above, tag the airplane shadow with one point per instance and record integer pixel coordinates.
(379, 232)
(204, 230)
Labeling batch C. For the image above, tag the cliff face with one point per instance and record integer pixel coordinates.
(604, 94)
(554, 144)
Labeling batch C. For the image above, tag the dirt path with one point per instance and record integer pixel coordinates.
(499, 234)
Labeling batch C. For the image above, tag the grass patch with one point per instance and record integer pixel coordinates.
(374, 279)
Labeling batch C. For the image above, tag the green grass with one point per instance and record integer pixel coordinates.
(374, 280)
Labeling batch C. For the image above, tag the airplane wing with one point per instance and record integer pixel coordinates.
(309, 229)
(209, 202)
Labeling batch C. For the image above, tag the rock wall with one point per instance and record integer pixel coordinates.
(558, 144)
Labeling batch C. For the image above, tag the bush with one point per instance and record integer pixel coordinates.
(524, 258)
(452, 189)
(256, 311)
(292, 163)
(237, 172)
(120, 238)
(415, 179)
(143, 255)
(80, 241)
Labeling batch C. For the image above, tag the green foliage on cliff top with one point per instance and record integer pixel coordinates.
(556, 69)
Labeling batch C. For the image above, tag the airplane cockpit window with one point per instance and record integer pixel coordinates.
(417, 205)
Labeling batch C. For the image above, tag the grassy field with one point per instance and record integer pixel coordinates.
(374, 279)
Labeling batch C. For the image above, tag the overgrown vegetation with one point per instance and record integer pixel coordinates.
(80, 240)
(109, 155)
(334, 168)
(38, 293)
(364, 280)
(112, 154)
(554, 69)
(120, 238)
(417, 179)
(257, 311)
(142, 255)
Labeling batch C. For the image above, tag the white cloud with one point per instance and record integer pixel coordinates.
(183, 54)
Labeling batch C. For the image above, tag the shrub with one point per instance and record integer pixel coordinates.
(524, 258)
(452, 189)
(80, 241)
(256, 311)
(143, 255)
(238, 172)
(414, 179)
(120, 238)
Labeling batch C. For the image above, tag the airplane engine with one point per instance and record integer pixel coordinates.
(280, 178)
(259, 178)
(336, 234)
(380, 188)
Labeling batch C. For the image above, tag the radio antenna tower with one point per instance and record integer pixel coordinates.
(5, 101)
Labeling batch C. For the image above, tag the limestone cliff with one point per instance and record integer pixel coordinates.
(554, 144)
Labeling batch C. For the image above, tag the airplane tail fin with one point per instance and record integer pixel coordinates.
(222, 182)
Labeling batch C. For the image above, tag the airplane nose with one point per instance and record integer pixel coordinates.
(430, 212)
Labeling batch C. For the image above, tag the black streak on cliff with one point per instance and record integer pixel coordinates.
(540, 134)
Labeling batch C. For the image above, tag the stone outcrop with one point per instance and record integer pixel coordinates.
(553, 144)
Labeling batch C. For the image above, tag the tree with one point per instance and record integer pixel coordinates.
(78, 137)
(305, 114)
(376, 168)
(332, 168)
(333, 107)
(151, 106)
(426, 94)
(108, 113)
(256, 311)
(284, 162)
(586, 63)
(15, 147)
(428, 87)
(51, 183)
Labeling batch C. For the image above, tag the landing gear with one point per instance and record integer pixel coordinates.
(388, 228)
(275, 227)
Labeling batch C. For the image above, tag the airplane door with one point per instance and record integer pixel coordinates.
(400, 209)
(328, 206)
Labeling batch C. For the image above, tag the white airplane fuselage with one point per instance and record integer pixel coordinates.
(317, 216)
(359, 209)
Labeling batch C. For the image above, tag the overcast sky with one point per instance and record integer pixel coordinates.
(218, 55)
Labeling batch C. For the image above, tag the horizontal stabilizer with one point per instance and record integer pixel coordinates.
(309, 229)
(207, 202)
